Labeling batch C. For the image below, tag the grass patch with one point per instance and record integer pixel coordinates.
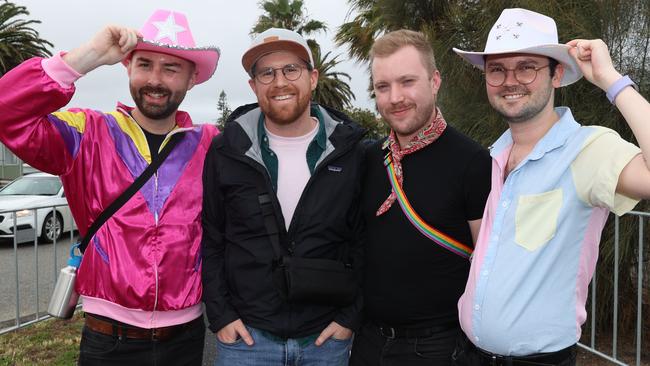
(49, 342)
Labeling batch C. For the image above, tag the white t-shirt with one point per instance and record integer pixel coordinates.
(293, 171)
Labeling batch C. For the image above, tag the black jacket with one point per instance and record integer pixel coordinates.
(237, 252)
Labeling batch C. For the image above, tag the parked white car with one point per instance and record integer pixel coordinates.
(30, 191)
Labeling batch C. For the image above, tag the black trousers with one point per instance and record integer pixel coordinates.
(370, 348)
(186, 348)
(466, 354)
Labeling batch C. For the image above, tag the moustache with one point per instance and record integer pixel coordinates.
(399, 107)
(154, 90)
(516, 89)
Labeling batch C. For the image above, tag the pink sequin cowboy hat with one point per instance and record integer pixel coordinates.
(169, 32)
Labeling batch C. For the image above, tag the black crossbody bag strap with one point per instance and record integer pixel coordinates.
(270, 222)
(129, 192)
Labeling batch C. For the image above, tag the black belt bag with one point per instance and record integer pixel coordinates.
(308, 280)
(318, 281)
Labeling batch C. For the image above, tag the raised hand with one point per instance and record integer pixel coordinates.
(109, 46)
(594, 61)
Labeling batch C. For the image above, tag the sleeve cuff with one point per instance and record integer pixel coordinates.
(622, 204)
(59, 71)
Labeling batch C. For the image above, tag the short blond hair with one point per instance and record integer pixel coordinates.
(390, 43)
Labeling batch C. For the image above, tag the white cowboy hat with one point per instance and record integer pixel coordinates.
(525, 31)
(169, 32)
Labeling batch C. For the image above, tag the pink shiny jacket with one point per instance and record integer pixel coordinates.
(147, 256)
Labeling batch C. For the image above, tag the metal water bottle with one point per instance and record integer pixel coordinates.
(64, 299)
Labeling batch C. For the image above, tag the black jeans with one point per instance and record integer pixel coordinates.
(466, 354)
(186, 348)
(373, 349)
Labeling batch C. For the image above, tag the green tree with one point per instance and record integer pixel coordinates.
(18, 40)
(332, 89)
(224, 110)
(377, 128)
(287, 15)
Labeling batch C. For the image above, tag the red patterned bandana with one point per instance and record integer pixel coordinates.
(421, 140)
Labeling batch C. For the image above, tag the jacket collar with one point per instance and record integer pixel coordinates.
(339, 130)
(183, 119)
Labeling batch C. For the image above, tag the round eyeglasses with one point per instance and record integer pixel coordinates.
(525, 74)
(291, 72)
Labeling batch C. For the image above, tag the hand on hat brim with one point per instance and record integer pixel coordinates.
(594, 61)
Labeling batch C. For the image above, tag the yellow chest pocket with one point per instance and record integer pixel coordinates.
(536, 218)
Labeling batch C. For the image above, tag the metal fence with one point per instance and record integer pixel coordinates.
(611, 355)
(614, 355)
(21, 320)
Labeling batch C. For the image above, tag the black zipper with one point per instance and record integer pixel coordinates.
(334, 155)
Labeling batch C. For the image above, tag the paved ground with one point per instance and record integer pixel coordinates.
(34, 263)
(46, 269)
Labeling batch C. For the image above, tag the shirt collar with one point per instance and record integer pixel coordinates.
(555, 137)
(183, 119)
(320, 138)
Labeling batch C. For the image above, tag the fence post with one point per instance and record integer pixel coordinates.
(639, 302)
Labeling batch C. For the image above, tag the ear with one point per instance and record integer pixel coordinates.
(557, 77)
(313, 79)
(128, 65)
(192, 81)
(436, 81)
(251, 83)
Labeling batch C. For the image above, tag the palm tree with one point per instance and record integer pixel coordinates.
(332, 90)
(287, 15)
(375, 17)
(18, 40)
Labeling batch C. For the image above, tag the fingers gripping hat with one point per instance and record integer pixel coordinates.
(525, 31)
(169, 32)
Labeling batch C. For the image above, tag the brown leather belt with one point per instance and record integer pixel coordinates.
(118, 329)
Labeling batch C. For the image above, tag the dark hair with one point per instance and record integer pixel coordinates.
(552, 64)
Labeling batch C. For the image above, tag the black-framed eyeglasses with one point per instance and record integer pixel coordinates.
(525, 74)
(291, 72)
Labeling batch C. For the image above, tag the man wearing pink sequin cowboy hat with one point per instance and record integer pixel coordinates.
(140, 277)
(554, 183)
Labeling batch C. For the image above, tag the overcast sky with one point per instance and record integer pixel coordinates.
(69, 23)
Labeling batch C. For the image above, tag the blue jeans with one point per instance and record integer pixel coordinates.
(269, 350)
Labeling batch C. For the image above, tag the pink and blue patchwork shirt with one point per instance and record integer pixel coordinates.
(538, 243)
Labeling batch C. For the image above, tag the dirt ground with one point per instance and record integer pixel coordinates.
(626, 351)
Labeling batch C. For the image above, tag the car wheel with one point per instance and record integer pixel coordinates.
(52, 228)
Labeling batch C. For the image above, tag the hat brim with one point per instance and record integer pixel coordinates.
(559, 52)
(253, 54)
(204, 59)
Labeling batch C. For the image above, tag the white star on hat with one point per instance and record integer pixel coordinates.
(168, 29)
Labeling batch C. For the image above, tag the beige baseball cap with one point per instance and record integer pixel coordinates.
(274, 40)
